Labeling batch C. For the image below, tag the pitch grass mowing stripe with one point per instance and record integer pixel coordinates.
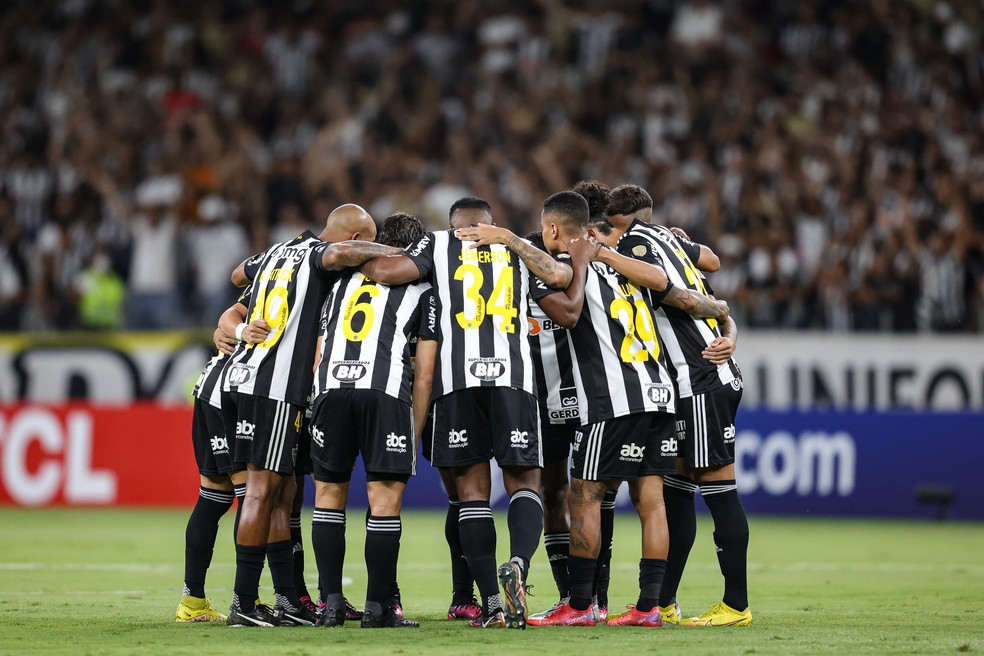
(109, 581)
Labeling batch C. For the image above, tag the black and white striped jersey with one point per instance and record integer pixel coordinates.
(553, 367)
(684, 337)
(208, 387)
(482, 299)
(619, 366)
(289, 288)
(366, 331)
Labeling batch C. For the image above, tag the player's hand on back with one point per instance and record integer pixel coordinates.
(720, 350)
(583, 250)
(223, 342)
(679, 232)
(256, 331)
(483, 235)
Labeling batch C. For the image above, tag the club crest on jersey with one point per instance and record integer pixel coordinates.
(487, 368)
(239, 374)
(349, 371)
(660, 394)
(639, 250)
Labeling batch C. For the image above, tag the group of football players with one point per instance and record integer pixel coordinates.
(583, 356)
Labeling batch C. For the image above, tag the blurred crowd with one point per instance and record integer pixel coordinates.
(831, 152)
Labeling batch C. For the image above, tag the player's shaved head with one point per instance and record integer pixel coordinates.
(469, 211)
(569, 210)
(349, 221)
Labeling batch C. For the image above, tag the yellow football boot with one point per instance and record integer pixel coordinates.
(720, 614)
(671, 613)
(197, 609)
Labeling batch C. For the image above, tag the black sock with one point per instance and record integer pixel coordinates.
(203, 526)
(581, 571)
(525, 521)
(240, 492)
(328, 540)
(382, 554)
(731, 538)
(558, 547)
(681, 521)
(280, 556)
(297, 543)
(478, 544)
(651, 572)
(603, 573)
(461, 578)
(249, 567)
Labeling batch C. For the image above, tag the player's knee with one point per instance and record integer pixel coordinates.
(216, 483)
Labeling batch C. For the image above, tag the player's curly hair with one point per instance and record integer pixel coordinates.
(596, 193)
(536, 238)
(627, 199)
(400, 229)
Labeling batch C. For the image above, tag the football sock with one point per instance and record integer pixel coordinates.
(328, 540)
(249, 566)
(603, 571)
(651, 572)
(240, 492)
(382, 552)
(280, 556)
(581, 571)
(525, 519)
(731, 539)
(558, 546)
(203, 526)
(461, 578)
(297, 544)
(478, 544)
(681, 521)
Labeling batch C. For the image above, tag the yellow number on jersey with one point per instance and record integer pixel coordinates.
(271, 305)
(696, 279)
(500, 302)
(638, 324)
(354, 307)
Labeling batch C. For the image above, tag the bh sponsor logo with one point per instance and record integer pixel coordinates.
(396, 443)
(349, 372)
(318, 436)
(813, 462)
(518, 439)
(239, 374)
(631, 452)
(660, 394)
(220, 445)
(245, 430)
(458, 439)
(487, 368)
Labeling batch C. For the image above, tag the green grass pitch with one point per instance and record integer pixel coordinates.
(108, 581)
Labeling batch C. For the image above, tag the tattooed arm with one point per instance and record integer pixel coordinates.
(696, 304)
(344, 254)
(541, 264)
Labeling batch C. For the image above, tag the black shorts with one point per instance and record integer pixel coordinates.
(209, 438)
(705, 427)
(625, 448)
(266, 431)
(347, 422)
(557, 440)
(476, 424)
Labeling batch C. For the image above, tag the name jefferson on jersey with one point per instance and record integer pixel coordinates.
(289, 288)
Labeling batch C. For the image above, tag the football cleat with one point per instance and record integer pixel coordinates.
(511, 580)
(197, 609)
(563, 614)
(720, 614)
(390, 619)
(467, 611)
(297, 613)
(308, 603)
(260, 615)
(494, 620)
(635, 617)
(670, 613)
(535, 618)
(600, 612)
(351, 612)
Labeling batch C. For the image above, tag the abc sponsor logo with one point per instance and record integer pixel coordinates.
(396, 443)
(239, 374)
(458, 439)
(318, 436)
(487, 368)
(219, 444)
(349, 371)
(631, 452)
(660, 394)
(669, 447)
(729, 434)
(519, 439)
(245, 430)
(813, 462)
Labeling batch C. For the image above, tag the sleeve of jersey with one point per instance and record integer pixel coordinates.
(427, 326)
(638, 248)
(422, 254)
(317, 261)
(252, 265)
(691, 249)
(245, 295)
